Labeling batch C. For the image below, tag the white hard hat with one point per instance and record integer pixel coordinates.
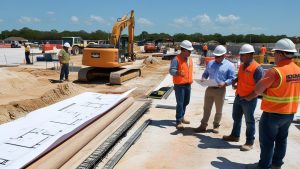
(246, 48)
(67, 45)
(187, 45)
(285, 45)
(219, 50)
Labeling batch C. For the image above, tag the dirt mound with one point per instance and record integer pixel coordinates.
(17, 109)
(151, 60)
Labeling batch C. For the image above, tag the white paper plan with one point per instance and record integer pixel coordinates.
(207, 83)
(25, 139)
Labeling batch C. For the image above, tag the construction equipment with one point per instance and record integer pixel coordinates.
(78, 44)
(107, 60)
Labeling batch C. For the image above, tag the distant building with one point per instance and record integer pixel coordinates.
(19, 39)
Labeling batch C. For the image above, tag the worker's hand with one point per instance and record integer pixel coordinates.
(247, 98)
(202, 79)
(180, 73)
(221, 85)
(234, 86)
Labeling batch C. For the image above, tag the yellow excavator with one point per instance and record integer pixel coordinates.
(108, 60)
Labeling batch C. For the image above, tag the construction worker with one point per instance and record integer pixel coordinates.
(27, 53)
(263, 51)
(250, 72)
(280, 87)
(223, 72)
(205, 49)
(64, 58)
(181, 69)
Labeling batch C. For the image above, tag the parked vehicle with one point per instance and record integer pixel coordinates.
(15, 44)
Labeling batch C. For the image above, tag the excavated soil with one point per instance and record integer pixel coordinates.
(24, 89)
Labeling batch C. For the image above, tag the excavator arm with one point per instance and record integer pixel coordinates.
(119, 26)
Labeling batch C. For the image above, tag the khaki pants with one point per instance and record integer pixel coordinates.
(213, 95)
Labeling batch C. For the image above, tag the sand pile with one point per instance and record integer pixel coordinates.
(18, 109)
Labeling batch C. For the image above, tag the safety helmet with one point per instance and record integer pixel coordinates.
(285, 45)
(187, 45)
(67, 45)
(246, 48)
(219, 50)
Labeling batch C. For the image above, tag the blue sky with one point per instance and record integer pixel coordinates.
(270, 17)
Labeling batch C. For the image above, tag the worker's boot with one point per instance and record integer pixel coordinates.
(246, 147)
(185, 121)
(231, 138)
(215, 130)
(252, 166)
(200, 129)
(179, 126)
(275, 167)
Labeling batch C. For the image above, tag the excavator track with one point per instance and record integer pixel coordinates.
(123, 75)
(115, 75)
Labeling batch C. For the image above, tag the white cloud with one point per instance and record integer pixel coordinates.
(74, 19)
(95, 19)
(50, 13)
(26, 19)
(202, 19)
(182, 22)
(143, 22)
(230, 19)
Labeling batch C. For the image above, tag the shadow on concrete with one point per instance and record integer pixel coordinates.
(216, 143)
(187, 131)
(163, 123)
(298, 126)
(224, 163)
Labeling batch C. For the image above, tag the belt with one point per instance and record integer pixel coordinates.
(214, 87)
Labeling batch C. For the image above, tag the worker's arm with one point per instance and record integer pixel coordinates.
(60, 56)
(205, 74)
(230, 75)
(257, 76)
(174, 67)
(234, 83)
(266, 82)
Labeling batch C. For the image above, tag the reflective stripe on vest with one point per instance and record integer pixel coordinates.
(187, 68)
(246, 82)
(284, 98)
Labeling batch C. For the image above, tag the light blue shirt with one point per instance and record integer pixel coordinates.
(221, 72)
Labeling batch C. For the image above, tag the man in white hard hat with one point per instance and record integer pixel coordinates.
(280, 87)
(250, 72)
(64, 58)
(223, 72)
(181, 69)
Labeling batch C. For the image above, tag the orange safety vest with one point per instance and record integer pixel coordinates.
(187, 68)
(246, 82)
(284, 98)
(263, 50)
(205, 47)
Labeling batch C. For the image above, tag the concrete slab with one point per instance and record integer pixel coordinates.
(162, 146)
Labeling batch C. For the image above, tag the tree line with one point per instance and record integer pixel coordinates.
(30, 34)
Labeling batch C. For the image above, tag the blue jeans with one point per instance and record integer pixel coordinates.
(64, 71)
(183, 94)
(27, 57)
(243, 107)
(273, 128)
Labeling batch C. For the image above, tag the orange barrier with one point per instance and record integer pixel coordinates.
(207, 59)
(5, 45)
